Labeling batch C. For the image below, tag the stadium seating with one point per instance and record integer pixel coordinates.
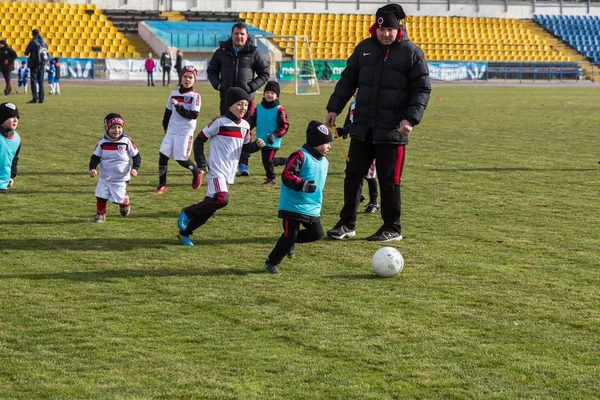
(333, 36)
(71, 31)
(580, 32)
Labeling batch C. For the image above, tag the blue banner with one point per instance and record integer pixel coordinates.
(70, 68)
(458, 71)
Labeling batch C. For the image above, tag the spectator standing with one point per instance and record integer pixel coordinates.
(179, 64)
(165, 64)
(7, 63)
(392, 78)
(150, 69)
(237, 63)
(37, 51)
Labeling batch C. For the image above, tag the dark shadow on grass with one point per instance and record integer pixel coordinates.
(355, 276)
(504, 169)
(122, 244)
(109, 275)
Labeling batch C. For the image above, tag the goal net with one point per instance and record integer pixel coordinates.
(290, 62)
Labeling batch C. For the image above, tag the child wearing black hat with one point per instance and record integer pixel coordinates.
(113, 154)
(10, 145)
(271, 124)
(301, 194)
(229, 134)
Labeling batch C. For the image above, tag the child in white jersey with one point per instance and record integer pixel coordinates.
(179, 122)
(228, 134)
(113, 154)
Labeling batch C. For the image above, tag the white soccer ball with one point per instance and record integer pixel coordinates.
(387, 262)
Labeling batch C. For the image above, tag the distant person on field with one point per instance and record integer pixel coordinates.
(237, 63)
(179, 123)
(7, 63)
(271, 123)
(37, 51)
(56, 81)
(51, 68)
(10, 145)
(22, 77)
(301, 194)
(179, 65)
(114, 153)
(149, 65)
(165, 64)
(228, 134)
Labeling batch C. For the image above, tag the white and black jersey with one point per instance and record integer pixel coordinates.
(227, 137)
(114, 158)
(181, 118)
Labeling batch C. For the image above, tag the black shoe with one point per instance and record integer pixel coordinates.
(270, 268)
(341, 232)
(5, 92)
(362, 198)
(40, 102)
(292, 252)
(32, 102)
(372, 208)
(383, 235)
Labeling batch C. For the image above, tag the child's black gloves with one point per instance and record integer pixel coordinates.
(271, 138)
(309, 187)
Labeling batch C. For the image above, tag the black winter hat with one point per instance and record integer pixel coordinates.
(234, 95)
(8, 110)
(388, 16)
(317, 134)
(112, 119)
(273, 86)
(35, 32)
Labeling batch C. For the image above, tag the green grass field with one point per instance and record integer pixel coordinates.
(499, 298)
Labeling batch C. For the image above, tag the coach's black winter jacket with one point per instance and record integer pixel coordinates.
(237, 70)
(393, 85)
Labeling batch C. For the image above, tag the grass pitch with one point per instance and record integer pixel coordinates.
(499, 297)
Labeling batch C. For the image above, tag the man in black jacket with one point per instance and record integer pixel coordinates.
(37, 51)
(392, 78)
(7, 64)
(237, 63)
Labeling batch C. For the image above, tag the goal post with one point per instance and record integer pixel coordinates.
(290, 62)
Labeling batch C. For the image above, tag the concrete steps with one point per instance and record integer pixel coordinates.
(140, 46)
(173, 16)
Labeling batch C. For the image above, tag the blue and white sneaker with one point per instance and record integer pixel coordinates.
(183, 221)
(243, 170)
(185, 240)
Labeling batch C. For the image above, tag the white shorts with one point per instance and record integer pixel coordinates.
(113, 191)
(216, 185)
(178, 146)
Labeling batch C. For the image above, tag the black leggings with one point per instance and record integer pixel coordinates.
(292, 235)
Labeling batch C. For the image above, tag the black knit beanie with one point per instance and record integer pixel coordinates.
(273, 86)
(388, 16)
(317, 134)
(234, 95)
(8, 110)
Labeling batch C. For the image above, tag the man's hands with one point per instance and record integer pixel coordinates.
(309, 187)
(330, 119)
(405, 128)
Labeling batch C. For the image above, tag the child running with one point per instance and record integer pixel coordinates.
(301, 194)
(10, 145)
(113, 154)
(228, 134)
(179, 123)
(271, 124)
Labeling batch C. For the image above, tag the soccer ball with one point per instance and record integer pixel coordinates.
(387, 262)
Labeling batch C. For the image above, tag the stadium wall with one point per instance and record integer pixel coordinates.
(481, 8)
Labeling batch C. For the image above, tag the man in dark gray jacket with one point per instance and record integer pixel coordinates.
(392, 78)
(237, 63)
